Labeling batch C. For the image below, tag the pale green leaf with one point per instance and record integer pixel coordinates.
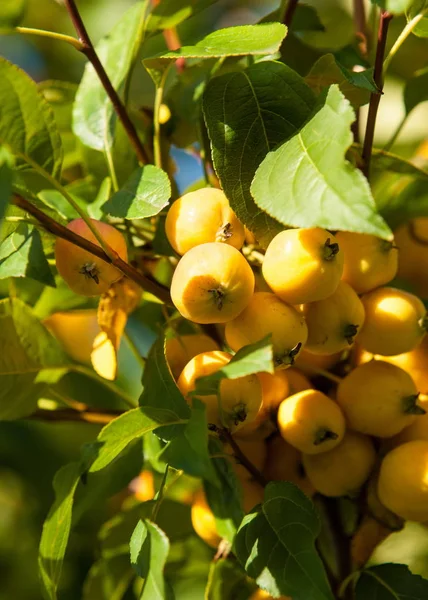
(5, 180)
(390, 582)
(396, 7)
(27, 126)
(149, 548)
(95, 208)
(93, 113)
(259, 39)
(276, 545)
(22, 255)
(417, 11)
(12, 12)
(56, 201)
(170, 13)
(307, 182)
(145, 194)
(247, 114)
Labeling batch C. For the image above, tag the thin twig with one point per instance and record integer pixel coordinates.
(287, 17)
(68, 414)
(60, 231)
(361, 27)
(228, 437)
(385, 19)
(89, 51)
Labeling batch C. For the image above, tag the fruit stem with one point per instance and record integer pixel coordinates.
(239, 413)
(410, 406)
(330, 250)
(218, 297)
(423, 322)
(224, 233)
(323, 435)
(288, 358)
(350, 333)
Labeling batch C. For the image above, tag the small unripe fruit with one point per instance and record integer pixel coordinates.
(267, 314)
(344, 469)
(403, 481)
(379, 399)
(369, 261)
(203, 216)
(395, 322)
(311, 422)
(303, 265)
(83, 272)
(203, 520)
(240, 399)
(334, 323)
(180, 350)
(212, 283)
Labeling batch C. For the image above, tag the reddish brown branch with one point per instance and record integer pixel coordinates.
(68, 414)
(289, 12)
(60, 231)
(385, 19)
(89, 51)
(361, 26)
(228, 437)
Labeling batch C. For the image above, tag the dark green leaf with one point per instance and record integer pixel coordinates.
(93, 114)
(259, 39)
(390, 582)
(416, 90)
(276, 545)
(5, 180)
(189, 450)
(170, 13)
(385, 161)
(108, 579)
(227, 581)
(128, 428)
(414, 9)
(224, 501)
(145, 194)
(27, 125)
(149, 551)
(355, 86)
(56, 528)
(247, 114)
(307, 182)
(21, 255)
(12, 12)
(405, 203)
(29, 357)
(160, 389)
(250, 359)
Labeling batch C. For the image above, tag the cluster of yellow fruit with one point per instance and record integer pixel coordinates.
(316, 295)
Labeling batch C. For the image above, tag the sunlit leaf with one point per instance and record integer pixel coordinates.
(149, 551)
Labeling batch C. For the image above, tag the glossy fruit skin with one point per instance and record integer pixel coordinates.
(254, 449)
(240, 398)
(369, 261)
(203, 216)
(203, 520)
(180, 350)
(322, 361)
(412, 241)
(284, 463)
(298, 381)
(403, 481)
(266, 314)
(76, 330)
(212, 283)
(311, 422)
(395, 322)
(300, 267)
(344, 469)
(369, 535)
(252, 494)
(143, 486)
(378, 399)
(76, 265)
(418, 430)
(334, 323)
(262, 595)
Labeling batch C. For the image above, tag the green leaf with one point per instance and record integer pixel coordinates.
(255, 40)
(247, 114)
(227, 581)
(29, 355)
(305, 18)
(21, 255)
(108, 579)
(5, 180)
(405, 204)
(356, 87)
(418, 8)
(307, 182)
(170, 13)
(93, 113)
(224, 501)
(56, 528)
(149, 551)
(27, 126)
(189, 450)
(145, 194)
(95, 208)
(390, 582)
(12, 12)
(385, 161)
(250, 359)
(416, 90)
(160, 389)
(396, 7)
(56, 201)
(276, 545)
(129, 427)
